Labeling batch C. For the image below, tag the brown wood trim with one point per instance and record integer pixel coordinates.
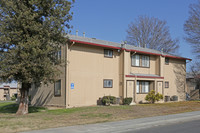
(58, 95)
(168, 84)
(140, 86)
(107, 79)
(140, 60)
(108, 56)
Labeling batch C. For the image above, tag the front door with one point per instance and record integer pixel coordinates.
(160, 87)
(130, 89)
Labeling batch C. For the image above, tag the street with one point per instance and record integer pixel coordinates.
(181, 127)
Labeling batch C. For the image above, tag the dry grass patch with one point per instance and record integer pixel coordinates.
(40, 118)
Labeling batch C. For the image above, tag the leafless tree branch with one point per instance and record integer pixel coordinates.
(152, 33)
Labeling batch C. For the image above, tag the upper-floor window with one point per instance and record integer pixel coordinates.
(135, 60)
(108, 53)
(145, 61)
(166, 61)
(56, 56)
(140, 60)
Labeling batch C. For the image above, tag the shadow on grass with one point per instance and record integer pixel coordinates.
(12, 108)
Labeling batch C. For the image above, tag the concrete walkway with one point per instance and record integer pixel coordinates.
(126, 125)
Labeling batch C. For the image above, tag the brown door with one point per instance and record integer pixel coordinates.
(160, 87)
(130, 91)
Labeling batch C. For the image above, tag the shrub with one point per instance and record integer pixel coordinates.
(107, 100)
(13, 98)
(152, 97)
(127, 101)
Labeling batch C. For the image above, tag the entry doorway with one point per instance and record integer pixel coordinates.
(160, 87)
(130, 89)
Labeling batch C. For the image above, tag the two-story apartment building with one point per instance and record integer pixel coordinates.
(7, 90)
(95, 68)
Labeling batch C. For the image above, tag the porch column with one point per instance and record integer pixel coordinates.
(155, 86)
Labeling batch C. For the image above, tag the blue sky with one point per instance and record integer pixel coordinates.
(109, 19)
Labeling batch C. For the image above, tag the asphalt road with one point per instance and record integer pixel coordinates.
(181, 127)
(176, 123)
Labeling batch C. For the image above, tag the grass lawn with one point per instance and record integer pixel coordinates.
(40, 118)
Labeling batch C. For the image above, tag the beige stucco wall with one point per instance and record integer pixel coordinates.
(175, 73)
(13, 91)
(87, 69)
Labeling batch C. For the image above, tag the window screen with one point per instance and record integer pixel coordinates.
(107, 83)
(57, 88)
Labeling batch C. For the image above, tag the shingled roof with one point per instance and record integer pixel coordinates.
(113, 45)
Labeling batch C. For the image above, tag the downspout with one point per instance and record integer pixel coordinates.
(66, 75)
(123, 46)
(135, 87)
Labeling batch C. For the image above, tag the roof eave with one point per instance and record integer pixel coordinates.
(130, 50)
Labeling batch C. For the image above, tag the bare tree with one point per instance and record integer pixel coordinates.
(192, 30)
(152, 33)
(192, 27)
(196, 71)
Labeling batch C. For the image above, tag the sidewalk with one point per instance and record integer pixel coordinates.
(126, 125)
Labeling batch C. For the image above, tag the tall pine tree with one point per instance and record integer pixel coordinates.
(30, 32)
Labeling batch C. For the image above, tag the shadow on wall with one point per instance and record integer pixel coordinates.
(180, 82)
(41, 96)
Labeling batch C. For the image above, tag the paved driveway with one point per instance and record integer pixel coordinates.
(126, 125)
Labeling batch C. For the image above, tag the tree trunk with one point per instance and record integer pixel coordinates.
(24, 100)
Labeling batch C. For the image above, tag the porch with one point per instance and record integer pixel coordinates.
(138, 87)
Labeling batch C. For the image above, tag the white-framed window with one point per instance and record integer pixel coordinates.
(145, 61)
(57, 88)
(107, 83)
(135, 60)
(108, 53)
(142, 87)
(145, 87)
(138, 87)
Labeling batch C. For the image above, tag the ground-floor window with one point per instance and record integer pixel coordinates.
(142, 87)
(57, 88)
(166, 84)
(107, 83)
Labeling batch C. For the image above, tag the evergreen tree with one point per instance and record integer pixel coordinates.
(30, 32)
